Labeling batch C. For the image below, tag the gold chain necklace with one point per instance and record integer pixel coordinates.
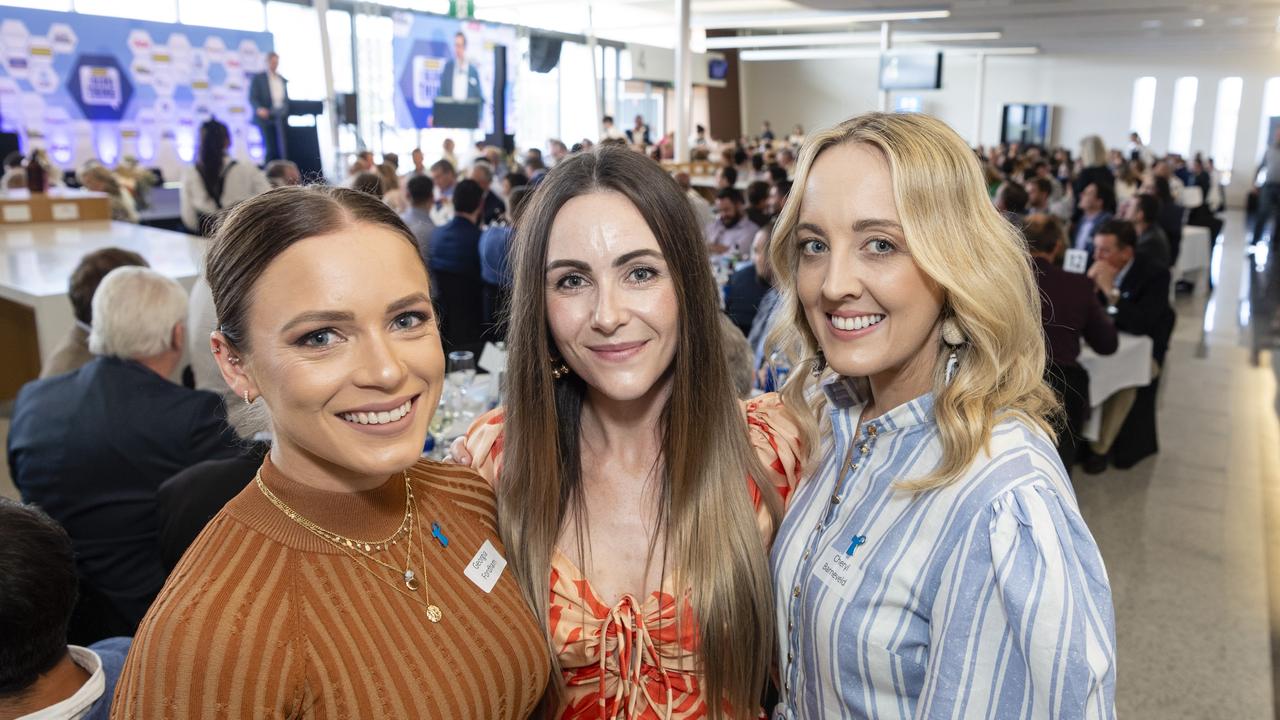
(345, 544)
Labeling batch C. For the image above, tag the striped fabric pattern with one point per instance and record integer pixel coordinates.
(984, 599)
(261, 619)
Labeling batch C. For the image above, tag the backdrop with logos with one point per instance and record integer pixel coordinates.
(88, 87)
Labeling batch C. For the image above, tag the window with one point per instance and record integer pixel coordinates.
(537, 95)
(578, 88)
(1225, 119)
(230, 14)
(1183, 117)
(153, 10)
(1144, 106)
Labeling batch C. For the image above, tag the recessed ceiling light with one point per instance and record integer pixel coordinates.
(813, 19)
(1152, 24)
(848, 38)
(1237, 21)
(1195, 22)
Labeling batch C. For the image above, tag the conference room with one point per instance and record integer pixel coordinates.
(336, 331)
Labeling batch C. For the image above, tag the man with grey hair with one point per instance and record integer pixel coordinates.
(91, 446)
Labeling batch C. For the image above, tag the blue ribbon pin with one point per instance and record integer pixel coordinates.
(854, 543)
(438, 535)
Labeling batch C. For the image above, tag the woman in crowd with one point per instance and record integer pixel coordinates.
(216, 181)
(935, 563)
(628, 481)
(350, 578)
(99, 179)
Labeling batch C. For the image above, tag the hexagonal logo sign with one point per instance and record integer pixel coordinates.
(63, 38)
(100, 87)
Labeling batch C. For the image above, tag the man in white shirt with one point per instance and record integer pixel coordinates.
(460, 79)
(269, 96)
(732, 231)
(40, 675)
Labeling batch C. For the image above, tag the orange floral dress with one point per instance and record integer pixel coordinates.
(634, 660)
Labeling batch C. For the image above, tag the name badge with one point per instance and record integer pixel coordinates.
(835, 566)
(1075, 261)
(486, 567)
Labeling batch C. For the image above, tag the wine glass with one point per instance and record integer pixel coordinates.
(464, 362)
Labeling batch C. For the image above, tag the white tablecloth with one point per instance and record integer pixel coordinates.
(1129, 366)
(1194, 254)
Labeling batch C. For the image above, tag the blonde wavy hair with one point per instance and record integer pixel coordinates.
(959, 240)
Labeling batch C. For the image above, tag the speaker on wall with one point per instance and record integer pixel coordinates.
(544, 53)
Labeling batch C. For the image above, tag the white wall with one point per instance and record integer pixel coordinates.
(1092, 95)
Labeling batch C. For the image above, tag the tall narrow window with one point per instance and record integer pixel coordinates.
(232, 14)
(1225, 120)
(1144, 106)
(1184, 114)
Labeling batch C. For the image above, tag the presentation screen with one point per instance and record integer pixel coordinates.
(88, 87)
(445, 71)
(910, 70)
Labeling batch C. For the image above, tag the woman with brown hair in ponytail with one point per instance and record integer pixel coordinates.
(629, 478)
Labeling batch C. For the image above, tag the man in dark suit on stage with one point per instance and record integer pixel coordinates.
(460, 79)
(269, 96)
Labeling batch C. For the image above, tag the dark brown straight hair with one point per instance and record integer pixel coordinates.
(254, 232)
(707, 462)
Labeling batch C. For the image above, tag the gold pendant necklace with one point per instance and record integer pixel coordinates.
(345, 545)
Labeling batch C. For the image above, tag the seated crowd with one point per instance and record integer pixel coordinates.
(127, 464)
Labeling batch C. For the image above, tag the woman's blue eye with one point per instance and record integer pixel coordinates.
(572, 282)
(409, 320)
(813, 247)
(881, 246)
(643, 274)
(319, 338)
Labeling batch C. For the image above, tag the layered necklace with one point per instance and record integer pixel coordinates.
(361, 551)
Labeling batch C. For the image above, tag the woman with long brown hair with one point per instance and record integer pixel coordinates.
(627, 478)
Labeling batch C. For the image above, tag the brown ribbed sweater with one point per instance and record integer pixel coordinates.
(262, 619)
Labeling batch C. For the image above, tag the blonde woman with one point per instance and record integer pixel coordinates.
(935, 563)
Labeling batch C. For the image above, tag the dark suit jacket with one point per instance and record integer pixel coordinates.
(187, 501)
(494, 208)
(742, 297)
(1070, 310)
(1143, 307)
(260, 95)
(446, 82)
(91, 447)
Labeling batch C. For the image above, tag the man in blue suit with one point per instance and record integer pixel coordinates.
(460, 79)
(92, 446)
(454, 262)
(269, 96)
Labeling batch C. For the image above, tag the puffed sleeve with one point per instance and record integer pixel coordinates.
(484, 442)
(1023, 625)
(776, 439)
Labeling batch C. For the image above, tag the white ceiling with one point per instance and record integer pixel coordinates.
(1055, 26)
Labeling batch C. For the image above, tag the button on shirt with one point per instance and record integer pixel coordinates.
(986, 598)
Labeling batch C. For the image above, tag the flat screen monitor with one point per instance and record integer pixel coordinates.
(717, 69)
(1027, 123)
(910, 70)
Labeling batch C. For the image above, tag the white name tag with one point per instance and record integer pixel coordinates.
(65, 211)
(1075, 261)
(486, 567)
(835, 566)
(17, 213)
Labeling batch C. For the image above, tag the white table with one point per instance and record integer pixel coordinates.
(36, 261)
(1129, 366)
(1193, 256)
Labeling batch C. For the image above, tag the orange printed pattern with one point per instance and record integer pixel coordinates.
(637, 659)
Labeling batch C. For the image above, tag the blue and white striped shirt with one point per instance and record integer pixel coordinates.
(986, 598)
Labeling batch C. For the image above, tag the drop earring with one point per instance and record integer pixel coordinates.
(953, 336)
(819, 364)
(558, 369)
(246, 398)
